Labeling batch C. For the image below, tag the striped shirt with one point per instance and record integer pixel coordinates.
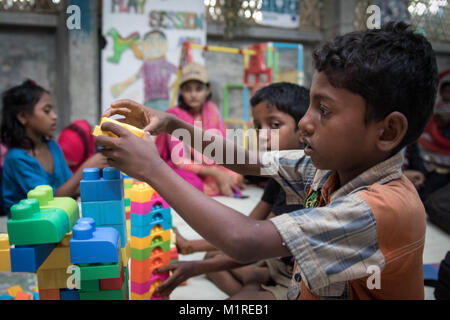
(374, 223)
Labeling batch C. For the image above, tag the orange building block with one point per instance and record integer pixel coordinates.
(49, 294)
(22, 296)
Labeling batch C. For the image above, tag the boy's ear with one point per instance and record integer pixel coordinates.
(393, 130)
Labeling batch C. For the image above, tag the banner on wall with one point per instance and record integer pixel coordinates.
(280, 13)
(144, 41)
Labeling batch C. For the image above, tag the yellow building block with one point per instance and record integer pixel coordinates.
(126, 193)
(126, 253)
(98, 131)
(12, 291)
(145, 296)
(128, 222)
(52, 274)
(36, 289)
(141, 192)
(143, 243)
(5, 257)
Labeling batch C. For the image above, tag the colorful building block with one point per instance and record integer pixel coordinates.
(67, 294)
(141, 193)
(149, 286)
(90, 285)
(100, 271)
(5, 257)
(22, 296)
(6, 297)
(35, 295)
(114, 283)
(126, 253)
(122, 229)
(14, 290)
(146, 242)
(106, 294)
(50, 294)
(44, 194)
(94, 245)
(30, 258)
(29, 225)
(144, 254)
(99, 132)
(106, 188)
(104, 212)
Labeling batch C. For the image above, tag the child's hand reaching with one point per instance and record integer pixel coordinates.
(96, 161)
(181, 271)
(135, 156)
(225, 182)
(150, 120)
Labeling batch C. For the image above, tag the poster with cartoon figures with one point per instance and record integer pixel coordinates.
(144, 41)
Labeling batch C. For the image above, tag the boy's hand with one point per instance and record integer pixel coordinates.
(150, 120)
(128, 153)
(181, 271)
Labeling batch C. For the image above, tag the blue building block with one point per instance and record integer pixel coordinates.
(105, 212)
(35, 295)
(6, 297)
(94, 245)
(66, 294)
(106, 188)
(29, 258)
(122, 229)
(141, 225)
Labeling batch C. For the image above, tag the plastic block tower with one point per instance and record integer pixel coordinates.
(127, 185)
(97, 253)
(38, 241)
(102, 198)
(151, 234)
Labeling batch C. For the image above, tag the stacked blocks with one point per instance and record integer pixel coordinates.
(151, 226)
(127, 185)
(102, 198)
(97, 252)
(5, 258)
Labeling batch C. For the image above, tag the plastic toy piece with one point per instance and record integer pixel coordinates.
(104, 212)
(126, 253)
(114, 283)
(30, 225)
(22, 296)
(141, 193)
(5, 258)
(144, 254)
(29, 258)
(106, 294)
(46, 201)
(90, 285)
(99, 132)
(14, 290)
(143, 243)
(106, 188)
(94, 245)
(149, 286)
(67, 294)
(35, 295)
(100, 271)
(50, 294)
(5, 297)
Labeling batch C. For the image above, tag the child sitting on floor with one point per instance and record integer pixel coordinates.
(33, 159)
(276, 110)
(361, 234)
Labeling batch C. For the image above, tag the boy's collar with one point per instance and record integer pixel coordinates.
(388, 170)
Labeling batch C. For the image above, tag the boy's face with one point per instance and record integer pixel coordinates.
(154, 47)
(274, 125)
(334, 130)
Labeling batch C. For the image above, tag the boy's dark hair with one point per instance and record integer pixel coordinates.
(287, 97)
(444, 85)
(183, 105)
(22, 98)
(392, 68)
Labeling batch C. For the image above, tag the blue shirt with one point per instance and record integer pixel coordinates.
(22, 173)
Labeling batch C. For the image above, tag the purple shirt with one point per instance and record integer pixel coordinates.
(156, 75)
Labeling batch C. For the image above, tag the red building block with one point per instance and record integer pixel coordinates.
(114, 283)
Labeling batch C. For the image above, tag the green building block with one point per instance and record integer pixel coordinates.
(95, 271)
(46, 201)
(106, 294)
(90, 286)
(30, 225)
(144, 254)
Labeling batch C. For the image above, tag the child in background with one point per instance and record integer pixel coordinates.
(276, 110)
(194, 106)
(33, 159)
(77, 143)
(362, 230)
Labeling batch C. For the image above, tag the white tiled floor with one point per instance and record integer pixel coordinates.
(437, 243)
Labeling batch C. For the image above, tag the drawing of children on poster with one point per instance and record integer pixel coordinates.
(155, 71)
